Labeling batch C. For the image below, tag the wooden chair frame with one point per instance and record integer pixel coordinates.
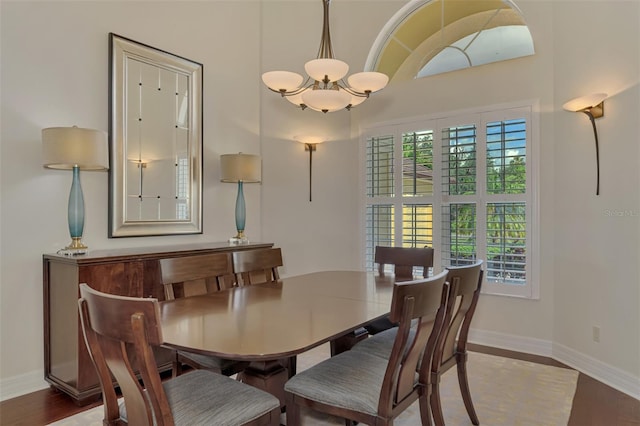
(451, 347)
(119, 332)
(421, 303)
(257, 266)
(404, 260)
(261, 267)
(194, 276)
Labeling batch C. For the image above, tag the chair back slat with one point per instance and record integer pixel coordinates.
(196, 275)
(257, 266)
(119, 331)
(464, 291)
(109, 397)
(420, 303)
(404, 260)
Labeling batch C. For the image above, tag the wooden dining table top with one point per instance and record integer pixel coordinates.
(272, 321)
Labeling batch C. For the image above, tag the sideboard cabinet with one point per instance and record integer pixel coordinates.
(127, 272)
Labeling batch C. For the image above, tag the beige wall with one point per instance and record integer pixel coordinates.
(54, 72)
(597, 239)
(589, 246)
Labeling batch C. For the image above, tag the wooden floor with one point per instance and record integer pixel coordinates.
(594, 404)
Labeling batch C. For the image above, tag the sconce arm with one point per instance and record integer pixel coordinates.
(595, 134)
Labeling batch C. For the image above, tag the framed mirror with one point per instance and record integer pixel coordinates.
(155, 128)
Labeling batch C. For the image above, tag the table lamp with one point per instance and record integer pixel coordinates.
(74, 148)
(240, 168)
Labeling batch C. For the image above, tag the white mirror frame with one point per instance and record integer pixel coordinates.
(122, 50)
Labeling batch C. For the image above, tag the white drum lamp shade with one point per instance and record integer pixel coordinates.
(66, 147)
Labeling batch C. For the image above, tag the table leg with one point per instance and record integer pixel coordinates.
(346, 342)
(269, 376)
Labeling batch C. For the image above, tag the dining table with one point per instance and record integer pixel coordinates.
(266, 323)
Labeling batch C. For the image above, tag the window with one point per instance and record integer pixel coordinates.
(466, 189)
(399, 210)
(428, 37)
(182, 188)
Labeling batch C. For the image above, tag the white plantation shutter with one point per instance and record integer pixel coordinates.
(379, 167)
(484, 206)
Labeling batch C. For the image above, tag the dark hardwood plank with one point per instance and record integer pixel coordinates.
(39, 408)
(597, 404)
(594, 404)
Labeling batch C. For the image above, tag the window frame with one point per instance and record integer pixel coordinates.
(527, 109)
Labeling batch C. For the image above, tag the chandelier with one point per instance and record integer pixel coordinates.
(324, 89)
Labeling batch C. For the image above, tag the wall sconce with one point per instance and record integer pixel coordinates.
(310, 143)
(140, 165)
(74, 148)
(593, 107)
(240, 168)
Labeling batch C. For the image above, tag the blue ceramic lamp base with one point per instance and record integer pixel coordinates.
(241, 215)
(75, 217)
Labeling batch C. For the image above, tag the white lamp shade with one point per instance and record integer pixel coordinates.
(240, 168)
(326, 99)
(282, 80)
(333, 69)
(310, 139)
(357, 100)
(66, 147)
(588, 101)
(371, 81)
(295, 99)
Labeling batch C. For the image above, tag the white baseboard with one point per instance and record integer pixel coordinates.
(22, 384)
(605, 373)
(511, 342)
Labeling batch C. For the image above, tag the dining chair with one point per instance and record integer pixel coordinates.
(196, 275)
(261, 267)
(451, 347)
(193, 276)
(120, 333)
(257, 266)
(405, 262)
(370, 389)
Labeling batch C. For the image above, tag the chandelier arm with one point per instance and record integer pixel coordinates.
(305, 86)
(351, 91)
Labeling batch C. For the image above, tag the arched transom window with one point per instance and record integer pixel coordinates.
(428, 37)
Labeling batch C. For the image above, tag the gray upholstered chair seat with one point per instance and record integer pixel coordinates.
(205, 398)
(349, 380)
(381, 344)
